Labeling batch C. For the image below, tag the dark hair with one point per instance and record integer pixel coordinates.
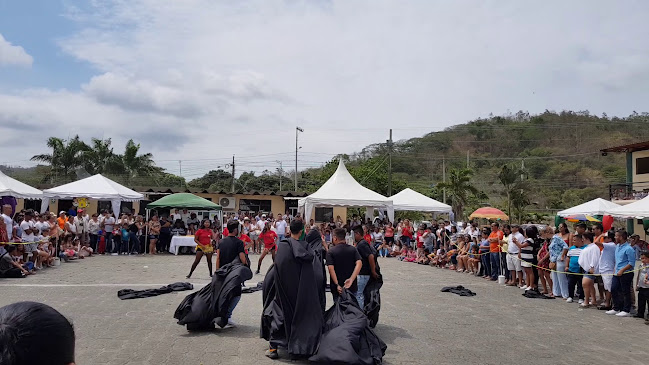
(35, 333)
(495, 224)
(611, 234)
(233, 225)
(623, 233)
(589, 236)
(581, 225)
(508, 227)
(10, 248)
(358, 229)
(297, 226)
(599, 226)
(340, 233)
(208, 221)
(644, 253)
(564, 225)
(532, 232)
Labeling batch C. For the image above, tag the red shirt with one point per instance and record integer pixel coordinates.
(389, 232)
(420, 241)
(269, 238)
(226, 232)
(368, 238)
(407, 231)
(247, 240)
(204, 236)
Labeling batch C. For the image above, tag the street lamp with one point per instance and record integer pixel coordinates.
(297, 129)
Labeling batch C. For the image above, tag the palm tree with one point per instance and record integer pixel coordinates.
(66, 156)
(99, 158)
(459, 189)
(131, 165)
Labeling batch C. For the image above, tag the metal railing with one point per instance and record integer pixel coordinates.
(631, 191)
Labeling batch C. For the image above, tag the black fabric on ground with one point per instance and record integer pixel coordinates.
(314, 241)
(252, 289)
(348, 339)
(459, 290)
(292, 317)
(535, 295)
(199, 309)
(372, 293)
(136, 294)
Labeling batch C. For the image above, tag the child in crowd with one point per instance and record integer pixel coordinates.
(642, 284)
(42, 249)
(440, 258)
(124, 235)
(85, 250)
(396, 250)
(474, 258)
(573, 268)
(484, 253)
(423, 259)
(412, 256)
(17, 256)
(67, 250)
(404, 253)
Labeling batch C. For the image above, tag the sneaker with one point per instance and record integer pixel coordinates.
(612, 312)
(114, 254)
(569, 300)
(272, 354)
(231, 323)
(581, 301)
(524, 287)
(623, 314)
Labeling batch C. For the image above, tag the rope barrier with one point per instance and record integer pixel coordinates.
(572, 273)
(23, 243)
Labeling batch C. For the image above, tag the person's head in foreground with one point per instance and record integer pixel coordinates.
(35, 333)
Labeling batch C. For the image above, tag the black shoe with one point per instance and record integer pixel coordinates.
(257, 272)
(272, 354)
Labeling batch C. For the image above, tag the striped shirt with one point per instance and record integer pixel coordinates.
(527, 252)
(573, 259)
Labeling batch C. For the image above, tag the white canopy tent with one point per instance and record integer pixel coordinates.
(343, 190)
(12, 187)
(411, 200)
(597, 206)
(94, 187)
(638, 209)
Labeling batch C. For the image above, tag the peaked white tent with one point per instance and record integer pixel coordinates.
(597, 206)
(638, 209)
(409, 199)
(343, 190)
(12, 187)
(94, 187)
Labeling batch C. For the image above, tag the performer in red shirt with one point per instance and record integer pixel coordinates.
(203, 239)
(270, 244)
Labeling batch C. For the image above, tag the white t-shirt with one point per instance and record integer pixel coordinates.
(590, 258)
(261, 224)
(10, 225)
(378, 237)
(511, 246)
(281, 227)
(25, 225)
(109, 223)
(607, 259)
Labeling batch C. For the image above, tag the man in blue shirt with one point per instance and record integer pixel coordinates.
(623, 279)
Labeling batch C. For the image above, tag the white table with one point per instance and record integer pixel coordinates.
(178, 241)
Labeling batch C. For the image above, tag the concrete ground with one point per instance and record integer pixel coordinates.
(420, 324)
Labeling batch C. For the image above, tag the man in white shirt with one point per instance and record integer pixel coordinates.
(185, 216)
(81, 222)
(27, 226)
(472, 229)
(108, 225)
(607, 266)
(280, 226)
(9, 222)
(513, 262)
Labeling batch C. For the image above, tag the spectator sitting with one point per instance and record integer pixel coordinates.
(10, 268)
(423, 259)
(440, 258)
(17, 257)
(412, 256)
(396, 249)
(85, 250)
(404, 253)
(68, 252)
(474, 259)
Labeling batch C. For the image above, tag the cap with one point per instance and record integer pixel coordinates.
(246, 219)
(62, 212)
(263, 215)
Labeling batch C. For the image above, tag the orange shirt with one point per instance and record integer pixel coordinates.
(498, 236)
(61, 222)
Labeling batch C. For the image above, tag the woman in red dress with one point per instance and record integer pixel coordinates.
(270, 244)
(203, 239)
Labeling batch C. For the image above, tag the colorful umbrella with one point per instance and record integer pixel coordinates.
(489, 213)
(582, 218)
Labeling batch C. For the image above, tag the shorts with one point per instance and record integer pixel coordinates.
(526, 264)
(607, 278)
(270, 247)
(31, 247)
(153, 236)
(591, 277)
(514, 263)
(254, 236)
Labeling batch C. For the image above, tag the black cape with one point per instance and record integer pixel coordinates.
(372, 294)
(292, 317)
(198, 310)
(314, 242)
(146, 293)
(348, 338)
(459, 290)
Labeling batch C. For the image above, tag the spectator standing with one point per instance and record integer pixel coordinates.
(9, 223)
(642, 284)
(607, 268)
(513, 262)
(369, 265)
(558, 252)
(495, 237)
(574, 270)
(93, 231)
(344, 264)
(623, 278)
(280, 227)
(108, 225)
(154, 234)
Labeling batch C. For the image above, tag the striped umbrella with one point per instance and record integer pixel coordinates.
(582, 218)
(489, 213)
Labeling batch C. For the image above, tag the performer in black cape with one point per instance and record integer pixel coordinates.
(218, 299)
(293, 315)
(369, 279)
(314, 242)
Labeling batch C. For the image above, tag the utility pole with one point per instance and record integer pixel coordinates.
(467, 159)
(180, 171)
(444, 176)
(232, 174)
(280, 174)
(390, 164)
(297, 129)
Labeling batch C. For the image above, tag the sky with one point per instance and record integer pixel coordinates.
(201, 80)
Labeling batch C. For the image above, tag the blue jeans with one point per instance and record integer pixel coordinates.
(109, 242)
(233, 305)
(29, 266)
(560, 281)
(362, 283)
(280, 237)
(486, 266)
(406, 241)
(495, 264)
(384, 252)
(621, 291)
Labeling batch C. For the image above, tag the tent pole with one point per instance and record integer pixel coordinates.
(146, 232)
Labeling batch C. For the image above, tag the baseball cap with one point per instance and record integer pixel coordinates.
(263, 215)
(62, 212)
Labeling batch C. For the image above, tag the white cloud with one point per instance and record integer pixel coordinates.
(11, 55)
(204, 79)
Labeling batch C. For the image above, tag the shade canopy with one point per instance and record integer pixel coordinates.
(12, 187)
(343, 190)
(94, 187)
(597, 206)
(183, 201)
(411, 200)
(489, 213)
(582, 218)
(638, 209)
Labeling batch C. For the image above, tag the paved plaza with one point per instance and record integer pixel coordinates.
(420, 324)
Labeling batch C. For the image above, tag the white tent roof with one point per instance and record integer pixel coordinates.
(343, 190)
(12, 187)
(638, 209)
(93, 187)
(409, 199)
(597, 206)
